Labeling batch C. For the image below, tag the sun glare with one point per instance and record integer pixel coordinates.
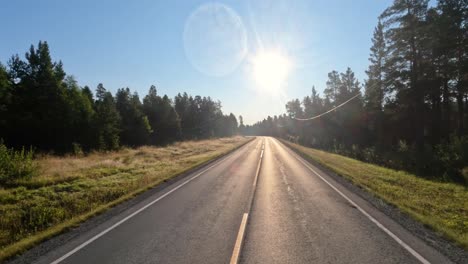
(270, 70)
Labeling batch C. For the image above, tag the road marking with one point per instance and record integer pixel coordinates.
(258, 169)
(375, 221)
(240, 237)
(89, 241)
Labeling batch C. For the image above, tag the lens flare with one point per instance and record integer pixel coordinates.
(215, 39)
(270, 70)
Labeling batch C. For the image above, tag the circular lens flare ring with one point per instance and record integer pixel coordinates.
(270, 70)
(215, 39)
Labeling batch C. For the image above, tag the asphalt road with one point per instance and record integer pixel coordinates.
(260, 204)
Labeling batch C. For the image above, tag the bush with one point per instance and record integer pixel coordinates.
(453, 157)
(77, 150)
(447, 161)
(16, 164)
(465, 174)
(369, 155)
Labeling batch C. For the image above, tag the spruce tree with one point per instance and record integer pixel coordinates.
(374, 87)
(106, 120)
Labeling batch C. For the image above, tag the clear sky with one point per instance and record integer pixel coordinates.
(200, 47)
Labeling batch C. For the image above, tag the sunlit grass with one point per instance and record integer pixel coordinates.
(441, 206)
(70, 189)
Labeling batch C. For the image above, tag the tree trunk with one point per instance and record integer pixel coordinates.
(437, 130)
(446, 109)
(461, 112)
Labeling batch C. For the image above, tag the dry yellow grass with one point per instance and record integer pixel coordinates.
(71, 189)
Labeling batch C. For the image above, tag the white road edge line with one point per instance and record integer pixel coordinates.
(381, 226)
(89, 241)
(240, 237)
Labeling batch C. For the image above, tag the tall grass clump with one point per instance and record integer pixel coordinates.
(16, 164)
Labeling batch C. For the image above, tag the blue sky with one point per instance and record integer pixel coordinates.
(138, 43)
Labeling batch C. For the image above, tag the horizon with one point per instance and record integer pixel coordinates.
(149, 46)
(256, 131)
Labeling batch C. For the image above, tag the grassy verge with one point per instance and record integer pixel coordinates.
(69, 190)
(440, 206)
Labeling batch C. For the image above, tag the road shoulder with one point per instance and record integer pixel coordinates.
(116, 212)
(431, 238)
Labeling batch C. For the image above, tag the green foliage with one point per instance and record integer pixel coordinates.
(79, 115)
(5, 99)
(42, 106)
(415, 96)
(162, 118)
(106, 122)
(15, 164)
(465, 174)
(452, 156)
(402, 146)
(135, 126)
(77, 150)
(201, 117)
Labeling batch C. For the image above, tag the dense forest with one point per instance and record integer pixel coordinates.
(44, 108)
(412, 110)
(410, 113)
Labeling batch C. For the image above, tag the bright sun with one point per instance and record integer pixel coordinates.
(270, 70)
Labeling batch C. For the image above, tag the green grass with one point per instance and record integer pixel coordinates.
(69, 190)
(15, 164)
(440, 206)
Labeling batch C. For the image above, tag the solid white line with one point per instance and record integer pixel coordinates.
(240, 237)
(381, 226)
(132, 215)
(257, 172)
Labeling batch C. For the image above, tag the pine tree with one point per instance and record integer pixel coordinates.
(172, 130)
(79, 116)
(5, 100)
(162, 117)
(375, 87)
(233, 125)
(135, 128)
(241, 125)
(404, 21)
(332, 89)
(88, 93)
(100, 92)
(183, 105)
(38, 101)
(454, 44)
(348, 117)
(106, 121)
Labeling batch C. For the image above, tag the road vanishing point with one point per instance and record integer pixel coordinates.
(261, 203)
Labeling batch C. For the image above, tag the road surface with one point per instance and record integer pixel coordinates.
(260, 204)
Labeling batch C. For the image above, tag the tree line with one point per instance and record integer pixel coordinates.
(413, 112)
(43, 107)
